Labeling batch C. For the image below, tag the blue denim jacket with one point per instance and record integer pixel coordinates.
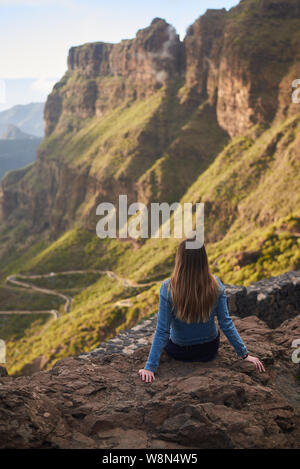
(182, 333)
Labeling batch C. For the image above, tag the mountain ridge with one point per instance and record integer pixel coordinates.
(28, 117)
(218, 126)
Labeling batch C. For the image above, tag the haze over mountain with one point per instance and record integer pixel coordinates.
(13, 132)
(17, 152)
(21, 131)
(207, 119)
(28, 117)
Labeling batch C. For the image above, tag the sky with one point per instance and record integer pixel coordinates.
(35, 35)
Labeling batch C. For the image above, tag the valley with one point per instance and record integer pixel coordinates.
(207, 119)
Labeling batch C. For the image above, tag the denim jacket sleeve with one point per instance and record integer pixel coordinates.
(227, 326)
(162, 332)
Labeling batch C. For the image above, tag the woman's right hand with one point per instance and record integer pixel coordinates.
(146, 375)
(256, 362)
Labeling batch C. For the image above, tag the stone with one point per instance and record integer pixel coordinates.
(100, 401)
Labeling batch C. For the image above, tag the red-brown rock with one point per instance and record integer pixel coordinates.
(101, 402)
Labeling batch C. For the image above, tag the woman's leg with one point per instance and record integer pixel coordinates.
(178, 352)
(209, 351)
(200, 352)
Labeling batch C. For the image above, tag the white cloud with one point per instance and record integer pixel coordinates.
(43, 85)
(36, 2)
(2, 92)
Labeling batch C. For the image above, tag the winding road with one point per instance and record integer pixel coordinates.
(68, 299)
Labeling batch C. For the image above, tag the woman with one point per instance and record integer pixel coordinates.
(188, 303)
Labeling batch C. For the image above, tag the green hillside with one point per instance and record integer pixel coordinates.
(241, 255)
(190, 125)
(16, 154)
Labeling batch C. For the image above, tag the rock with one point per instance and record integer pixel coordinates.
(100, 401)
(3, 371)
(272, 300)
(247, 257)
(114, 73)
(226, 61)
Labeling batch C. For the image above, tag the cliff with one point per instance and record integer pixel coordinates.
(99, 401)
(125, 115)
(207, 119)
(106, 75)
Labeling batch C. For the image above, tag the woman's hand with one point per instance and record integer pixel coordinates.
(146, 375)
(256, 362)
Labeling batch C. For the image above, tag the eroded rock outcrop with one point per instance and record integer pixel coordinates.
(273, 300)
(98, 400)
(108, 75)
(239, 60)
(237, 66)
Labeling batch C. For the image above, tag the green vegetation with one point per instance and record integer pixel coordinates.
(277, 249)
(16, 298)
(94, 317)
(159, 148)
(254, 175)
(70, 284)
(252, 181)
(197, 143)
(17, 326)
(270, 34)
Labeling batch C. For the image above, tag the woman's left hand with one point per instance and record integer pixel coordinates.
(256, 362)
(146, 375)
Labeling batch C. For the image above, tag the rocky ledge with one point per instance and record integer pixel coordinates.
(97, 400)
(273, 300)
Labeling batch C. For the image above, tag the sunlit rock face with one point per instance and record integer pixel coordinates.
(126, 117)
(107, 75)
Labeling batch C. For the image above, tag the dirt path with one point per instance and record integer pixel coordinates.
(53, 312)
(68, 299)
(126, 281)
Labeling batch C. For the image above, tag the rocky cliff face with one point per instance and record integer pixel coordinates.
(100, 79)
(153, 117)
(238, 59)
(98, 400)
(203, 47)
(239, 63)
(108, 75)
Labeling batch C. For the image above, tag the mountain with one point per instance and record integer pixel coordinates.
(28, 117)
(207, 119)
(17, 149)
(13, 132)
(21, 131)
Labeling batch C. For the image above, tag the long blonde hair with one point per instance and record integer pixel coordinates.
(194, 289)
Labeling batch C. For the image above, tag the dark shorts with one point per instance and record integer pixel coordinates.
(194, 353)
